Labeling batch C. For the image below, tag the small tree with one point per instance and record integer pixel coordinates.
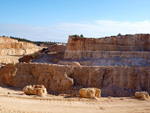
(75, 35)
(119, 34)
(81, 35)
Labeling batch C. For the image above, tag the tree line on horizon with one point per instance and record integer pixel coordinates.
(34, 42)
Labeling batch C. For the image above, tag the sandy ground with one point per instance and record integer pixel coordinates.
(12, 101)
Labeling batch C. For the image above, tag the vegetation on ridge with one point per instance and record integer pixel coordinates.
(74, 37)
(34, 42)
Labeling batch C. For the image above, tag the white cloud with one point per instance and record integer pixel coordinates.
(60, 32)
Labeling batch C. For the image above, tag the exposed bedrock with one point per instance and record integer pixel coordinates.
(112, 80)
(138, 42)
(127, 50)
(10, 46)
(105, 58)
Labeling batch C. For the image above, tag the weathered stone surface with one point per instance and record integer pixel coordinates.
(39, 90)
(9, 59)
(90, 92)
(138, 42)
(57, 48)
(7, 40)
(127, 50)
(52, 54)
(119, 66)
(26, 58)
(143, 95)
(54, 77)
(10, 46)
(112, 80)
(73, 64)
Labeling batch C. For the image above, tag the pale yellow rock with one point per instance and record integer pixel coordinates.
(75, 64)
(10, 46)
(114, 43)
(61, 78)
(39, 90)
(143, 95)
(9, 59)
(129, 49)
(90, 92)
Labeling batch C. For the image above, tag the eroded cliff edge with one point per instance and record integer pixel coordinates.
(11, 50)
(119, 66)
(10, 46)
(113, 80)
(137, 42)
(130, 50)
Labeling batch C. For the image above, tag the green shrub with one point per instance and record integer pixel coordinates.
(81, 35)
(119, 34)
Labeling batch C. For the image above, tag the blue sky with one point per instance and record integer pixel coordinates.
(54, 20)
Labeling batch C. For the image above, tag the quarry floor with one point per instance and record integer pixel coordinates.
(14, 101)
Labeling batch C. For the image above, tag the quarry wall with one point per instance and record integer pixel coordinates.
(113, 80)
(124, 50)
(10, 46)
(119, 65)
(104, 58)
(138, 42)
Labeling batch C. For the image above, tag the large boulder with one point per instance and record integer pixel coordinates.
(90, 92)
(39, 90)
(143, 95)
(75, 64)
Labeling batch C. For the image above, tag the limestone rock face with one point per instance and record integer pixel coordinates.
(9, 59)
(127, 50)
(75, 64)
(39, 90)
(7, 40)
(7, 74)
(54, 77)
(138, 42)
(112, 80)
(143, 95)
(119, 66)
(57, 48)
(90, 92)
(10, 46)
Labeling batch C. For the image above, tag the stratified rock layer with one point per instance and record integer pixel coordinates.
(138, 42)
(130, 50)
(10, 46)
(112, 80)
(53, 77)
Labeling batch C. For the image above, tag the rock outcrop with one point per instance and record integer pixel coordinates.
(10, 46)
(90, 92)
(55, 78)
(127, 50)
(142, 95)
(9, 59)
(119, 66)
(112, 80)
(138, 42)
(57, 48)
(39, 90)
(52, 54)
